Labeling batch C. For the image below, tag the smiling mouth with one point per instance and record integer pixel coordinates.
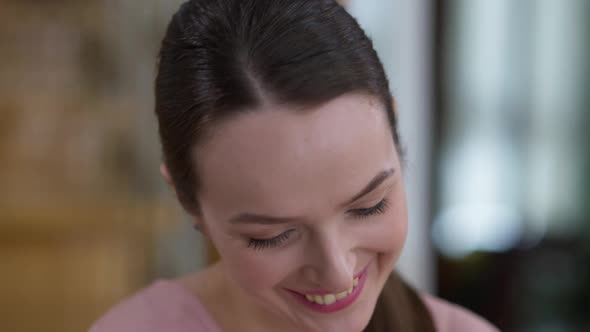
(327, 299)
(324, 302)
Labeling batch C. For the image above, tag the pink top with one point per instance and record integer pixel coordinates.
(168, 306)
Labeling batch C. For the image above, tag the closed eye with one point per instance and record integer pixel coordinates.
(276, 241)
(377, 209)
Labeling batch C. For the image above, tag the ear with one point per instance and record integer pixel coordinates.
(166, 175)
(195, 217)
(394, 105)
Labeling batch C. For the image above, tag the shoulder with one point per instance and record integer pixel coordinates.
(451, 317)
(162, 306)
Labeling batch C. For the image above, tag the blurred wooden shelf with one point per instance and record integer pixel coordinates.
(65, 264)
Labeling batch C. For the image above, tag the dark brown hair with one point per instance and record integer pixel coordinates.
(223, 57)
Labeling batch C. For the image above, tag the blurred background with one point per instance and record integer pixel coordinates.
(494, 106)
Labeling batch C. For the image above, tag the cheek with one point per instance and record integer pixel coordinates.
(257, 272)
(254, 271)
(388, 235)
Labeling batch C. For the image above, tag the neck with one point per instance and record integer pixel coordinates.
(231, 308)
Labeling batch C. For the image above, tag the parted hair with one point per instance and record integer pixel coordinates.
(220, 58)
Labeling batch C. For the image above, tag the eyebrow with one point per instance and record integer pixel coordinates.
(252, 218)
(375, 182)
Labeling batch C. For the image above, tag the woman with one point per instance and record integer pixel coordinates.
(279, 138)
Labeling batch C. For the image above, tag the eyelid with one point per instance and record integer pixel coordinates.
(379, 193)
(383, 190)
(376, 209)
(262, 238)
(258, 244)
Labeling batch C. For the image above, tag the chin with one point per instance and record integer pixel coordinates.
(357, 317)
(354, 322)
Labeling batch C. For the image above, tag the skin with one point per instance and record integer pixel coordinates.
(304, 167)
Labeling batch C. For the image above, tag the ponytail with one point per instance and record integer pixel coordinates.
(400, 308)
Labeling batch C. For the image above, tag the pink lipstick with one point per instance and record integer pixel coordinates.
(334, 304)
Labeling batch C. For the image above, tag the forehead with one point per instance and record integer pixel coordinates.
(279, 159)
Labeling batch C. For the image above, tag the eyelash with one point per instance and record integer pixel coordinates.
(276, 241)
(377, 209)
(258, 244)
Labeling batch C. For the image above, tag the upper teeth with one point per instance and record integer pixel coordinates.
(328, 299)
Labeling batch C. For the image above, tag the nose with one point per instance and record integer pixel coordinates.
(331, 264)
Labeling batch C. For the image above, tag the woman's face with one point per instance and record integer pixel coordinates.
(307, 209)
